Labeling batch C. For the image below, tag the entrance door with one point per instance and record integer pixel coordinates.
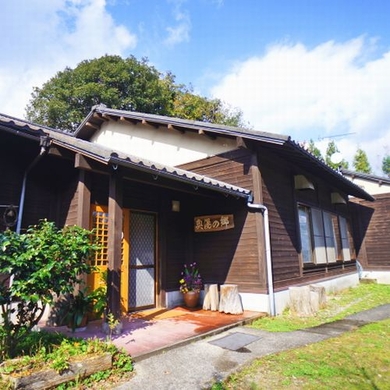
(142, 260)
(138, 269)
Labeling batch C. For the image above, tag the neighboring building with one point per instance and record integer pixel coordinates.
(372, 226)
(372, 184)
(251, 208)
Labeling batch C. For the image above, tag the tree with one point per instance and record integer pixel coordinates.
(312, 148)
(360, 162)
(43, 261)
(330, 151)
(126, 84)
(188, 105)
(386, 165)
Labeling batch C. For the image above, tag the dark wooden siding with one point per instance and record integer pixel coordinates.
(278, 196)
(48, 182)
(221, 256)
(281, 198)
(231, 256)
(372, 227)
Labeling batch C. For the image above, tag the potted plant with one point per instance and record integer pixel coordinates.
(77, 310)
(191, 284)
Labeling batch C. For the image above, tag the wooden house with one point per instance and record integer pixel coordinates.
(372, 225)
(250, 208)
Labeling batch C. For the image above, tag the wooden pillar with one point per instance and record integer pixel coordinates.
(115, 223)
(84, 200)
(259, 219)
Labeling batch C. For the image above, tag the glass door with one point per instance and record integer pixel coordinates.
(142, 264)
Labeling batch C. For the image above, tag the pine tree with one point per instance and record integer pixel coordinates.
(312, 148)
(386, 165)
(360, 162)
(330, 151)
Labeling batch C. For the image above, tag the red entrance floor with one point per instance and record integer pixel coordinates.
(152, 331)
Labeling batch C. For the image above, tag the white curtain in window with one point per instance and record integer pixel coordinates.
(319, 238)
(344, 239)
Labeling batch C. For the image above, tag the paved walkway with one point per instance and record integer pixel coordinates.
(203, 361)
(153, 331)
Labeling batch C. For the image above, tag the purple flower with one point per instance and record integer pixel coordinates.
(191, 279)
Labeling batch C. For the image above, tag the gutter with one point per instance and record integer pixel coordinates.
(271, 294)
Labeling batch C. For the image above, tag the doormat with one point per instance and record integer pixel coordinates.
(235, 341)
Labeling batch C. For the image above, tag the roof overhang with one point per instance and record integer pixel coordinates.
(280, 144)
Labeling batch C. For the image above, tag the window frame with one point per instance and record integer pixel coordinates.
(325, 237)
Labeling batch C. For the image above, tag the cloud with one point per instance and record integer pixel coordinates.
(42, 37)
(311, 93)
(180, 32)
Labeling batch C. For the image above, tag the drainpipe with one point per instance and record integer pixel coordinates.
(264, 210)
(44, 143)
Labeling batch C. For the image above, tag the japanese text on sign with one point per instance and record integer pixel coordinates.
(213, 223)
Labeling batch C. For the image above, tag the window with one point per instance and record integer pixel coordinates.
(324, 236)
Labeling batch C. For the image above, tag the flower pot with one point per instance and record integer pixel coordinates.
(191, 298)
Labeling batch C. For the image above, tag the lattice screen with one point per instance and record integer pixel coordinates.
(100, 226)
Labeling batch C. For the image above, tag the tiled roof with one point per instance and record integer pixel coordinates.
(109, 156)
(366, 176)
(281, 145)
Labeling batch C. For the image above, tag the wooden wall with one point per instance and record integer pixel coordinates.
(281, 198)
(231, 256)
(50, 183)
(372, 227)
(16, 157)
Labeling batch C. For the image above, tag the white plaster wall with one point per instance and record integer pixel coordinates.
(255, 302)
(175, 298)
(163, 145)
(373, 188)
(260, 302)
(44, 318)
(382, 277)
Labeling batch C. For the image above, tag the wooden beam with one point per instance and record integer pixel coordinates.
(82, 162)
(114, 244)
(149, 123)
(240, 142)
(60, 152)
(107, 118)
(89, 124)
(173, 127)
(207, 134)
(100, 117)
(132, 121)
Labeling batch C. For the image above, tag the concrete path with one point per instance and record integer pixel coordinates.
(201, 363)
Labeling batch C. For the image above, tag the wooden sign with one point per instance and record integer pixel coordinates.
(213, 223)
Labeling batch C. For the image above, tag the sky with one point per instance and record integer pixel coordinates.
(311, 69)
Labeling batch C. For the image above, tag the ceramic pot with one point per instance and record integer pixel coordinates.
(191, 298)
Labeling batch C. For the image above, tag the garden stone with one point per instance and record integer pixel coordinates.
(211, 298)
(230, 301)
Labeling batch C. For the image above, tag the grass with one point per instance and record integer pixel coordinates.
(339, 305)
(42, 350)
(355, 360)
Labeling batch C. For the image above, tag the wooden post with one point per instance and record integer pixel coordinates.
(211, 298)
(115, 223)
(84, 200)
(230, 301)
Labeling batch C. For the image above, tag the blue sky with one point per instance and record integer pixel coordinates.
(312, 69)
